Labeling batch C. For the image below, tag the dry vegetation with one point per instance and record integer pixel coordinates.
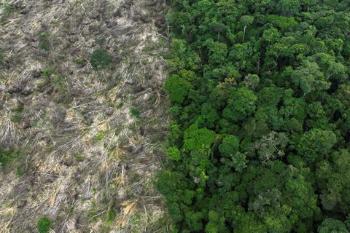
(88, 136)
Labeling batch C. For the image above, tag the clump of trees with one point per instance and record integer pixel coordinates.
(260, 96)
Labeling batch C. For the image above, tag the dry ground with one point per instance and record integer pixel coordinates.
(89, 141)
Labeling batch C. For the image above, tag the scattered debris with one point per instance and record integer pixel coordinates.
(86, 121)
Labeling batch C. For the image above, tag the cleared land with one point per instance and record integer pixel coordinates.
(81, 115)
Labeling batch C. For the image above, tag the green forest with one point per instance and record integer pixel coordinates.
(260, 103)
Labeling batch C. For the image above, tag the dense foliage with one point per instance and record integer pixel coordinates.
(260, 96)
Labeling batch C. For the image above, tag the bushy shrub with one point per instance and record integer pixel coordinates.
(44, 41)
(8, 156)
(44, 225)
(100, 59)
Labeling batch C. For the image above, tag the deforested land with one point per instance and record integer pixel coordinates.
(81, 115)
